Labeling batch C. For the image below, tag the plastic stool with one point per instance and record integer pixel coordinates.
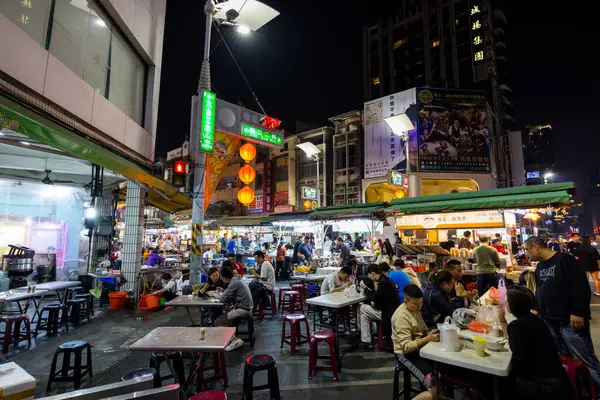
(142, 373)
(66, 349)
(575, 368)
(79, 308)
(302, 290)
(329, 338)
(218, 367)
(407, 389)
(381, 344)
(247, 335)
(177, 359)
(296, 337)
(210, 395)
(291, 298)
(281, 292)
(51, 323)
(261, 363)
(262, 308)
(12, 331)
(90, 301)
(72, 291)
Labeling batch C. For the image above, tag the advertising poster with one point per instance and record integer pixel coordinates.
(453, 131)
(217, 161)
(256, 207)
(280, 199)
(383, 149)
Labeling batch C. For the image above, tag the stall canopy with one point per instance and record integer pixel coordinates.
(160, 193)
(368, 210)
(239, 221)
(287, 216)
(557, 194)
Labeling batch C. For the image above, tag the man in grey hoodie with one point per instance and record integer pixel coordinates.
(238, 303)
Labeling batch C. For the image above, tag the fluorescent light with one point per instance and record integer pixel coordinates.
(28, 221)
(400, 123)
(56, 191)
(90, 213)
(309, 148)
(99, 22)
(243, 29)
(25, 143)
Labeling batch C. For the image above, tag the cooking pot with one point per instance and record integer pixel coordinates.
(17, 264)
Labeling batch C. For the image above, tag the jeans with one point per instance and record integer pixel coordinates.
(577, 343)
(368, 315)
(483, 280)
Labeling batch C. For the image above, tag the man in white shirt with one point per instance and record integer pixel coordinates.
(267, 279)
(337, 281)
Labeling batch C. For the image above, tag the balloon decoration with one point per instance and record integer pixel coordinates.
(246, 195)
(248, 152)
(247, 174)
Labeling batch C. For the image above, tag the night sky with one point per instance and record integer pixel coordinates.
(306, 65)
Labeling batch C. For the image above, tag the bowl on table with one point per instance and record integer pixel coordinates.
(496, 346)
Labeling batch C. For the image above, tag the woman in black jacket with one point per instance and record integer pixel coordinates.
(437, 304)
(536, 370)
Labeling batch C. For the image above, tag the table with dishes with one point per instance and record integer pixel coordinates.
(192, 301)
(60, 288)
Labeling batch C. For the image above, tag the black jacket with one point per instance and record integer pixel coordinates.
(562, 288)
(437, 305)
(385, 299)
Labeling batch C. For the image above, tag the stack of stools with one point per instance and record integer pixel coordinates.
(291, 302)
(79, 309)
(260, 363)
(142, 373)
(302, 290)
(247, 335)
(210, 395)
(12, 331)
(296, 337)
(66, 349)
(51, 322)
(90, 300)
(326, 337)
(176, 358)
(218, 367)
(262, 308)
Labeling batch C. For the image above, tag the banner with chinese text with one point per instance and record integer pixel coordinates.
(225, 146)
(268, 186)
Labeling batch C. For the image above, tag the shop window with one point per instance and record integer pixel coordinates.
(435, 43)
(399, 43)
(31, 16)
(376, 80)
(445, 186)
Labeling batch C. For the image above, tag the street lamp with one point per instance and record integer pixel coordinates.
(312, 151)
(401, 125)
(547, 175)
(246, 15)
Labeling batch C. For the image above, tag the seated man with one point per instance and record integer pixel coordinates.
(237, 302)
(410, 334)
(459, 294)
(232, 263)
(399, 278)
(384, 300)
(337, 281)
(263, 288)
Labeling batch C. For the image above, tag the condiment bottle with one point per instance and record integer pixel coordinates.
(202, 333)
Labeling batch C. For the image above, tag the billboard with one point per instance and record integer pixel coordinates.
(383, 149)
(453, 131)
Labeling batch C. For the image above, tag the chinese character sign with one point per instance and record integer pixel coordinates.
(268, 186)
(452, 220)
(477, 33)
(453, 131)
(262, 135)
(207, 121)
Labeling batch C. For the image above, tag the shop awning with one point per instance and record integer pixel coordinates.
(558, 194)
(367, 210)
(160, 193)
(287, 216)
(239, 221)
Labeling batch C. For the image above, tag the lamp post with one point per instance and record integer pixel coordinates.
(547, 175)
(247, 16)
(312, 151)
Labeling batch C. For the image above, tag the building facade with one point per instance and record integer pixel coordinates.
(347, 158)
(538, 154)
(79, 90)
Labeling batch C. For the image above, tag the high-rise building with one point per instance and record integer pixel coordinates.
(538, 155)
(444, 44)
(347, 158)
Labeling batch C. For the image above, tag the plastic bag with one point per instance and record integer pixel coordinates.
(351, 292)
(463, 317)
(487, 316)
(478, 327)
(449, 335)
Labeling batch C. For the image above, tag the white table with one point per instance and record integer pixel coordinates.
(308, 278)
(173, 339)
(59, 287)
(495, 363)
(16, 382)
(334, 301)
(18, 296)
(328, 270)
(185, 301)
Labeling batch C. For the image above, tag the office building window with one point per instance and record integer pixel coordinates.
(31, 16)
(435, 43)
(376, 80)
(399, 43)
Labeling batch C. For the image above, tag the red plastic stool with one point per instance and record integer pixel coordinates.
(281, 292)
(574, 367)
(210, 395)
(291, 298)
(296, 337)
(217, 366)
(262, 308)
(329, 338)
(381, 344)
(300, 289)
(12, 331)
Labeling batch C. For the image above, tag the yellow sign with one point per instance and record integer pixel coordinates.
(476, 25)
(475, 10)
(479, 56)
(477, 40)
(26, 3)
(455, 220)
(425, 96)
(216, 162)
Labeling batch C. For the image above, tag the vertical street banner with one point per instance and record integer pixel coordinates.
(268, 186)
(224, 148)
(382, 148)
(453, 131)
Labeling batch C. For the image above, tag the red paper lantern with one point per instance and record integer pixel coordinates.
(247, 174)
(246, 195)
(248, 152)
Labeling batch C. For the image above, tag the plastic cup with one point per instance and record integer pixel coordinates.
(480, 345)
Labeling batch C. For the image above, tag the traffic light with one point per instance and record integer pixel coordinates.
(179, 173)
(270, 122)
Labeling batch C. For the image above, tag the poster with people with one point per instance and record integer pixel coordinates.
(453, 131)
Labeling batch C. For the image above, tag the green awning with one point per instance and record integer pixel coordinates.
(367, 210)
(240, 221)
(287, 216)
(528, 200)
(160, 194)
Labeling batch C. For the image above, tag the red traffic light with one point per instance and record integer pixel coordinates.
(270, 122)
(180, 168)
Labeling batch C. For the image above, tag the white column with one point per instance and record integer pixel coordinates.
(134, 230)
(414, 186)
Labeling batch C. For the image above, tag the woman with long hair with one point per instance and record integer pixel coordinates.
(436, 296)
(590, 259)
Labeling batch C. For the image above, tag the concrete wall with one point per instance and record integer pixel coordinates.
(142, 22)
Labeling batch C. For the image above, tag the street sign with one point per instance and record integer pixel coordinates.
(207, 124)
(396, 178)
(262, 136)
(309, 193)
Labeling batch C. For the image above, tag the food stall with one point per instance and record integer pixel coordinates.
(442, 219)
(252, 233)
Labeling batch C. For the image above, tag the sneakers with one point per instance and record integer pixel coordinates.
(234, 344)
(596, 294)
